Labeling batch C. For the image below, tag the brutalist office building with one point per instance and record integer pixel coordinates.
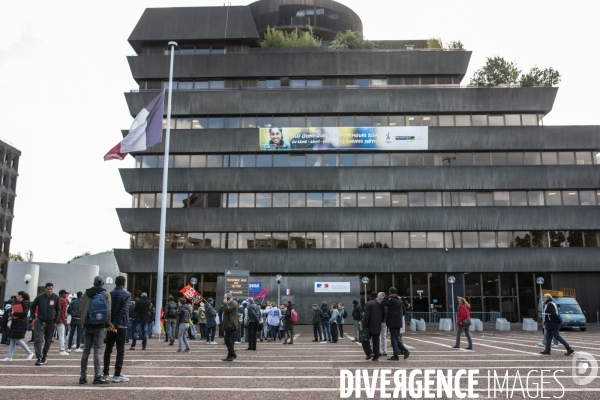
(326, 166)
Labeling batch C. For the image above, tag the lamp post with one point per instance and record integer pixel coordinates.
(27, 278)
(278, 278)
(194, 281)
(109, 282)
(365, 280)
(451, 281)
(540, 281)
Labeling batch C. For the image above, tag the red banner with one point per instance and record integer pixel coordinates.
(191, 294)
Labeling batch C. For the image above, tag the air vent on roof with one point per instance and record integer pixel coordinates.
(410, 46)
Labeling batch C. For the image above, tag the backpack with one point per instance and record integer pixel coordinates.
(241, 317)
(345, 313)
(203, 314)
(195, 317)
(171, 312)
(338, 319)
(326, 315)
(294, 317)
(98, 310)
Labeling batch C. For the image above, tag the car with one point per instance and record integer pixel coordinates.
(570, 312)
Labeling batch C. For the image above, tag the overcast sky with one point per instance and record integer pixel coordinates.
(63, 72)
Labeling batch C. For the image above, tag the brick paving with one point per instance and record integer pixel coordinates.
(305, 370)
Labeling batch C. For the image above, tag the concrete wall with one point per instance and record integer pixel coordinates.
(474, 138)
(304, 289)
(106, 262)
(351, 101)
(357, 261)
(71, 277)
(293, 64)
(293, 179)
(586, 289)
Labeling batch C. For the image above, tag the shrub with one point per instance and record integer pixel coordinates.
(277, 38)
(540, 77)
(434, 43)
(495, 72)
(350, 40)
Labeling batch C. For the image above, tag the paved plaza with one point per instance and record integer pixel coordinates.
(307, 370)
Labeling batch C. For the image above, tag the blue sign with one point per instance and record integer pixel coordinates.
(255, 287)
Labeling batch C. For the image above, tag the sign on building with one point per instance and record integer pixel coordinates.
(237, 283)
(255, 287)
(332, 287)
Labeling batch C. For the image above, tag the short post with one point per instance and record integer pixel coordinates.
(451, 281)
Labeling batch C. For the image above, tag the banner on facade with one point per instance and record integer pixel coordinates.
(255, 287)
(332, 287)
(338, 138)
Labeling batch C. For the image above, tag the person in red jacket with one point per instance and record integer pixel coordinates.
(464, 312)
(62, 322)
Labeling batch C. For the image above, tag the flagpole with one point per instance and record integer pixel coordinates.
(163, 204)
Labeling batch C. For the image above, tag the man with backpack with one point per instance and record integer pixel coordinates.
(326, 324)
(120, 302)
(357, 318)
(394, 322)
(95, 316)
(171, 320)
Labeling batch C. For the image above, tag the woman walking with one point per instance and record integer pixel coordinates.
(333, 322)
(463, 318)
(184, 323)
(288, 325)
(18, 328)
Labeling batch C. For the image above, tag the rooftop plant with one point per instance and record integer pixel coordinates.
(540, 77)
(297, 38)
(350, 40)
(436, 43)
(496, 71)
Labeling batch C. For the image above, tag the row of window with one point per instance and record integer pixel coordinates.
(370, 199)
(353, 240)
(308, 121)
(384, 159)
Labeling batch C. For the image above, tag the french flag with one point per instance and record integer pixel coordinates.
(288, 292)
(145, 131)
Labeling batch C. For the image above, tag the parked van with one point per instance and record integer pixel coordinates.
(569, 311)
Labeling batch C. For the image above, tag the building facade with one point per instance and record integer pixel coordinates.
(496, 199)
(9, 160)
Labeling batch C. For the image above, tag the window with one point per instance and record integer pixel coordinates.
(380, 120)
(347, 121)
(536, 198)
(232, 122)
(590, 239)
(180, 200)
(365, 199)
(378, 81)
(280, 160)
(565, 158)
(232, 201)
(314, 199)
(311, 121)
(331, 200)
(245, 240)
(280, 200)
(499, 158)
(246, 200)
(363, 120)
(529, 119)
(482, 158)
(297, 160)
(363, 81)
(435, 240)
(496, 120)
(217, 84)
(433, 199)
(515, 158)
(247, 161)
(415, 159)
(212, 241)
(249, 122)
(396, 120)
(487, 239)
(365, 240)
(452, 239)
(469, 240)
(297, 240)
(583, 158)
(297, 122)
(280, 240)
(467, 199)
(400, 240)
(348, 160)
(184, 123)
(570, 198)
(348, 199)
(549, 158)
(451, 199)
(331, 240)
(265, 122)
(539, 239)
(181, 161)
(349, 240)
(532, 158)
(518, 198)
(479, 120)
(381, 160)
(198, 161)
(398, 159)
(429, 120)
(297, 200)
(264, 160)
(383, 240)
(575, 238)
(297, 82)
(501, 199)
(556, 239)
(214, 161)
(263, 200)
(587, 198)
(416, 199)
(399, 200)
(505, 239)
(553, 198)
(512, 119)
(418, 240)
(364, 160)
(463, 120)
(229, 241)
(522, 239)
(413, 120)
(314, 240)
(146, 200)
(330, 160)
(446, 120)
(329, 121)
(485, 199)
(382, 199)
(215, 122)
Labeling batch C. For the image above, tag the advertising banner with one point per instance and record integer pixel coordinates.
(338, 138)
(332, 287)
(255, 287)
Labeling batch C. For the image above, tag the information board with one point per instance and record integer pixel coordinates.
(236, 283)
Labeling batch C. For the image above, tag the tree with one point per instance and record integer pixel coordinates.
(29, 255)
(296, 38)
(16, 257)
(455, 45)
(87, 253)
(540, 77)
(496, 71)
(350, 40)
(435, 43)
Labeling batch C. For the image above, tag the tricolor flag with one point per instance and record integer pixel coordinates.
(288, 292)
(145, 131)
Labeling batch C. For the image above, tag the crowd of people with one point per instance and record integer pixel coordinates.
(96, 318)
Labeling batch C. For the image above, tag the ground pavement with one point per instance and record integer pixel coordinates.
(306, 370)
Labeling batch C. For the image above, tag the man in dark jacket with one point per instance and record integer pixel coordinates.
(230, 324)
(120, 302)
(141, 309)
(211, 321)
(326, 323)
(395, 316)
(372, 321)
(357, 318)
(317, 321)
(552, 323)
(48, 313)
(131, 323)
(171, 320)
(74, 311)
(94, 332)
(253, 317)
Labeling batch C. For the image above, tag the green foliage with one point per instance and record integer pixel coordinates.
(496, 71)
(87, 253)
(540, 77)
(455, 45)
(296, 38)
(16, 257)
(435, 43)
(350, 40)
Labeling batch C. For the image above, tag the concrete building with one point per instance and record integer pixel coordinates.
(9, 165)
(495, 198)
(106, 262)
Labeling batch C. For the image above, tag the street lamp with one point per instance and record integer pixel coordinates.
(109, 282)
(278, 278)
(540, 281)
(27, 278)
(451, 281)
(365, 280)
(194, 281)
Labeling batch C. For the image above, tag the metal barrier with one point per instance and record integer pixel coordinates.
(434, 318)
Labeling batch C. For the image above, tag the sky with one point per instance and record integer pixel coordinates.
(64, 72)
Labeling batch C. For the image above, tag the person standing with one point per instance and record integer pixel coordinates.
(333, 322)
(394, 322)
(253, 317)
(464, 312)
(184, 323)
(230, 325)
(344, 314)
(273, 318)
(383, 334)
(48, 313)
(150, 323)
(120, 302)
(202, 319)
(74, 311)
(171, 320)
(326, 323)
(372, 318)
(552, 323)
(317, 321)
(95, 317)
(288, 324)
(356, 318)
(141, 309)
(18, 328)
(62, 322)
(211, 321)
